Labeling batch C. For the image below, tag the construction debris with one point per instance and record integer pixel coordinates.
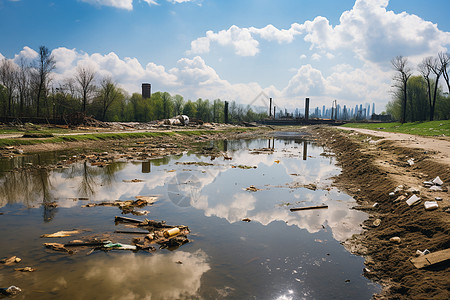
(60, 234)
(26, 269)
(10, 291)
(431, 259)
(308, 208)
(252, 188)
(58, 247)
(10, 260)
(413, 200)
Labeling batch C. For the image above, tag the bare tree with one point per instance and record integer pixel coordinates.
(45, 64)
(444, 59)
(404, 72)
(425, 68)
(436, 68)
(8, 75)
(109, 93)
(23, 85)
(85, 78)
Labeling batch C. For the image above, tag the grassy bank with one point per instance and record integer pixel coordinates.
(113, 136)
(433, 128)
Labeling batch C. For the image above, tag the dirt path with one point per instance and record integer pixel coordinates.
(440, 145)
(373, 165)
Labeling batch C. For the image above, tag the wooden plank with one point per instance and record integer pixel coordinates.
(431, 259)
(309, 207)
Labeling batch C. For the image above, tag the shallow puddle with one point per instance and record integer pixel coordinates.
(274, 254)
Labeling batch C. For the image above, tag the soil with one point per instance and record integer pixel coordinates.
(373, 165)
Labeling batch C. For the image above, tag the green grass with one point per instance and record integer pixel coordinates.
(109, 136)
(433, 128)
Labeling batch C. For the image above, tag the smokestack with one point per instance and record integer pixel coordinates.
(226, 112)
(307, 109)
(146, 90)
(270, 107)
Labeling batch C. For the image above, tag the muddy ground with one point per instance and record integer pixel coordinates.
(372, 167)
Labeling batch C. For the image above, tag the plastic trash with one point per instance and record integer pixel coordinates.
(430, 205)
(118, 246)
(411, 161)
(436, 188)
(171, 232)
(413, 200)
(438, 181)
(13, 290)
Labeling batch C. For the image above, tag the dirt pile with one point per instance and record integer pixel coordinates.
(371, 169)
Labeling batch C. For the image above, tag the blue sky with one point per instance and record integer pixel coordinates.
(233, 50)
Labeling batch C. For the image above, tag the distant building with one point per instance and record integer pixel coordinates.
(146, 90)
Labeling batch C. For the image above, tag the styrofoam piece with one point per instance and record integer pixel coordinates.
(435, 188)
(410, 161)
(413, 200)
(438, 181)
(430, 205)
(430, 183)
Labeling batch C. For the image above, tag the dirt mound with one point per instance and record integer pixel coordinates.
(370, 171)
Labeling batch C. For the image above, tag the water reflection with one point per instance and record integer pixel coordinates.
(216, 190)
(266, 258)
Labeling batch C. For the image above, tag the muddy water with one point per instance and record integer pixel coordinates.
(277, 255)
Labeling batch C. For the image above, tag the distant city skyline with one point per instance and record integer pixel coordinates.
(233, 50)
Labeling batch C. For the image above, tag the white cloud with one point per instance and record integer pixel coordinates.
(151, 2)
(316, 56)
(122, 4)
(375, 34)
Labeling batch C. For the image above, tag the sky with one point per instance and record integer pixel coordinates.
(234, 50)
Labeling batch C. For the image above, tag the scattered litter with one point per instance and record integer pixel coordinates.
(377, 222)
(430, 205)
(60, 234)
(438, 181)
(310, 207)
(413, 190)
(399, 189)
(196, 163)
(400, 198)
(436, 188)
(411, 161)
(252, 188)
(375, 205)
(58, 247)
(277, 161)
(246, 220)
(26, 269)
(391, 194)
(244, 167)
(171, 232)
(424, 252)
(413, 200)
(431, 259)
(133, 180)
(10, 260)
(118, 246)
(11, 291)
(79, 243)
(395, 239)
(428, 183)
(438, 199)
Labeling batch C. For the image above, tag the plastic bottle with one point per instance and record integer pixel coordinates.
(171, 232)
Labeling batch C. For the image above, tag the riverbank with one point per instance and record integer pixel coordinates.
(373, 165)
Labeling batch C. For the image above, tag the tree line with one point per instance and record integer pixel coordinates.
(27, 89)
(420, 97)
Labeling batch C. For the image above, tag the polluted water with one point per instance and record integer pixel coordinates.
(259, 219)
